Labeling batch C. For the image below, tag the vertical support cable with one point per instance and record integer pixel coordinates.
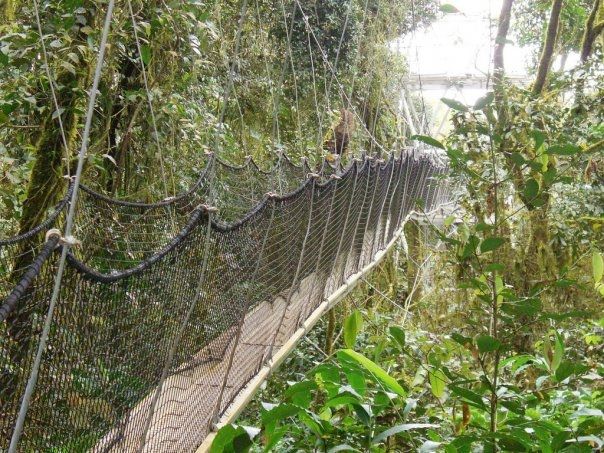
(341, 242)
(392, 198)
(183, 325)
(377, 180)
(216, 412)
(298, 268)
(322, 244)
(402, 214)
(367, 163)
(33, 377)
(379, 217)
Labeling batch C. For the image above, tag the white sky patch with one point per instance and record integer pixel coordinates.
(458, 46)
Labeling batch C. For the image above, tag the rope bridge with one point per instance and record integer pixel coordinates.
(166, 311)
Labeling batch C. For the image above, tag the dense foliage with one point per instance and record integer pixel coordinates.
(485, 331)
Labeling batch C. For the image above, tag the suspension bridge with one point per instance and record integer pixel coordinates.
(135, 326)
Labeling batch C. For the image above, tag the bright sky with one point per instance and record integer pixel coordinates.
(461, 43)
(457, 45)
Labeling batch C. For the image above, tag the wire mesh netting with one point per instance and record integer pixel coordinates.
(167, 310)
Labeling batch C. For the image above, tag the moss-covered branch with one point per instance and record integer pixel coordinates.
(545, 63)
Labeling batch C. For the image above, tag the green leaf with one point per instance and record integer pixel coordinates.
(494, 267)
(531, 188)
(471, 397)
(428, 140)
(490, 244)
(374, 369)
(145, 54)
(401, 429)
(455, 105)
(301, 393)
(315, 427)
(363, 411)
(357, 381)
(565, 369)
(558, 352)
(486, 343)
(398, 334)
(525, 307)
(438, 382)
(563, 150)
(484, 101)
(279, 413)
(447, 8)
(597, 265)
(231, 439)
(342, 400)
(352, 325)
(518, 159)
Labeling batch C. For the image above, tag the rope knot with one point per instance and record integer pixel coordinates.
(67, 240)
(272, 194)
(313, 175)
(334, 176)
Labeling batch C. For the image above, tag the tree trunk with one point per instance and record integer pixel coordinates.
(502, 35)
(592, 31)
(545, 62)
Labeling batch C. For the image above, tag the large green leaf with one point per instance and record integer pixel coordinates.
(230, 439)
(531, 189)
(484, 101)
(352, 325)
(428, 140)
(486, 343)
(563, 150)
(398, 334)
(471, 397)
(373, 368)
(400, 429)
(279, 413)
(447, 8)
(455, 105)
(145, 54)
(490, 244)
(438, 382)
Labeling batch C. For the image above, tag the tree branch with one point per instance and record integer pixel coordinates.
(545, 62)
(502, 34)
(591, 31)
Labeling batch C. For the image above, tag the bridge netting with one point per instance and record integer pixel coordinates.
(167, 310)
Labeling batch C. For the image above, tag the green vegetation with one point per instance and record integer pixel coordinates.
(484, 332)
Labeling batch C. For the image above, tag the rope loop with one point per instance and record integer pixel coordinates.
(313, 176)
(334, 176)
(209, 209)
(52, 232)
(67, 240)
